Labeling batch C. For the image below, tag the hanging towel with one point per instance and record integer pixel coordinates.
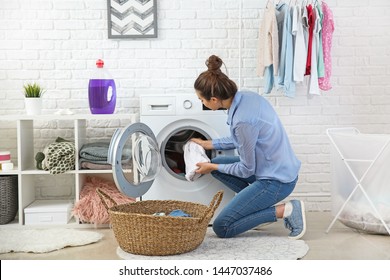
(193, 154)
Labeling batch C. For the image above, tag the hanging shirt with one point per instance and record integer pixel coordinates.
(320, 64)
(268, 50)
(310, 17)
(313, 87)
(305, 24)
(327, 33)
(300, 52)
(260, 139)
(280, 13)
(286, 58)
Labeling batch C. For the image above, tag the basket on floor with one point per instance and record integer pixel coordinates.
(8, 198)
(139, 232)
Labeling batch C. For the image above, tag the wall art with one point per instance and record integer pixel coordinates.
(132, 18)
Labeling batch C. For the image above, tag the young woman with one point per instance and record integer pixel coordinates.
(266, 170)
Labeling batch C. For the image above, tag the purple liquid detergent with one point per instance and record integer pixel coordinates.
(102, 96)
(101, 91)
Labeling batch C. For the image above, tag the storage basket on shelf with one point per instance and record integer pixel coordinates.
(139, 232)
(8, 198)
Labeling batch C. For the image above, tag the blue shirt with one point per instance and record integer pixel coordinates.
(286, 59)
(260, 139)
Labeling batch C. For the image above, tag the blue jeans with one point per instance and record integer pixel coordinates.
(254, 203)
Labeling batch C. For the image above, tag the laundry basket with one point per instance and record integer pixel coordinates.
(8, 198)
(360, 179)
(139, 232)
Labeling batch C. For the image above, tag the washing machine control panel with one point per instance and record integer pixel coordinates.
(174, 105)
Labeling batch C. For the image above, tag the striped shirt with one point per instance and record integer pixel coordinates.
(260, 139)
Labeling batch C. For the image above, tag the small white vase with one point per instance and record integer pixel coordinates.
(33, 105)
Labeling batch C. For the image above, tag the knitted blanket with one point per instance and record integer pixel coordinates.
(95, 152)
(59, 157)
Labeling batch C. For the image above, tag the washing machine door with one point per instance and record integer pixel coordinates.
(135, 159)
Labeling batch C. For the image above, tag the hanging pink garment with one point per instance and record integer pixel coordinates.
(311, 19)
(327, 33)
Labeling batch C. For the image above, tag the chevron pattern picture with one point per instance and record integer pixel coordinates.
(132, 18)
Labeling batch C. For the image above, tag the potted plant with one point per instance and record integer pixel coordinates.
(33, 101)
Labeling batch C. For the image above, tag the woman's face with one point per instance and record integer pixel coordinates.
(213, 104)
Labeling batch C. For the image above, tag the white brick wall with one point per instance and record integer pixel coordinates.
(56, 42)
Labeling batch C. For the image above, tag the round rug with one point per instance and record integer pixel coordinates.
(251, 245)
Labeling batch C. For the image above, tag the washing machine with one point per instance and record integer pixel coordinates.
(147, 157)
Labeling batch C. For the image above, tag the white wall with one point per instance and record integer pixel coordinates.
(57, 42)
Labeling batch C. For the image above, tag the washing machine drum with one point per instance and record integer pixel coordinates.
(135, 159)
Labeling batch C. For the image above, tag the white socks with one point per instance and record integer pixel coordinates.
(287, 209)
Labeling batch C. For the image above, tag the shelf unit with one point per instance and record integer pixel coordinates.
(24, 163)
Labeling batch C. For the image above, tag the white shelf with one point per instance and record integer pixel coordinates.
(14, 171)
(25, 126)
(68, 117)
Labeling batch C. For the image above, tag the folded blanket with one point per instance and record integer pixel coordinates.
(59, 157)
(96, 152)
(96, 166)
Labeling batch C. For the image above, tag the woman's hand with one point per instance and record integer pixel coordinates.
(206, 167)
(206, 144)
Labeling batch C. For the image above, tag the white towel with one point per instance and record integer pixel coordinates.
(193, 154)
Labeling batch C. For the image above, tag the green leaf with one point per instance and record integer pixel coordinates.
(33, 90)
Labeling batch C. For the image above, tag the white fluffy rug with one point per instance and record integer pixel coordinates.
(44, 240)
(251, 245)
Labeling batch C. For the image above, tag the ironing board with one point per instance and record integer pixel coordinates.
(360, 177)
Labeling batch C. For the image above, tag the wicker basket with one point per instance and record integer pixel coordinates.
(139, 232)
(8, 198)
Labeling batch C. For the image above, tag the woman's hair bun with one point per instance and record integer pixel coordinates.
(214, 63)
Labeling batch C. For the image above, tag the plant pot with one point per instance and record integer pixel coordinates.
(33, 105)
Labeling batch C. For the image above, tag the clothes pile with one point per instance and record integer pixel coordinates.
(295, 42)
(173, 213)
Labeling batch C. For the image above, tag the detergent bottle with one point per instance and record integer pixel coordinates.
(101, 91)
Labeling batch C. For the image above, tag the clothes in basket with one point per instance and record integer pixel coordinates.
(173, 213)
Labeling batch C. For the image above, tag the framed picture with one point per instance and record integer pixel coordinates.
(132, 18)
